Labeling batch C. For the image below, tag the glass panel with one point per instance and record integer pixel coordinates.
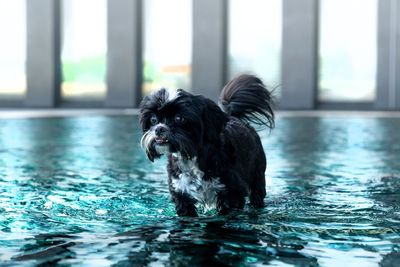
(12, 49)
(255, 30)
(167, 44)
(348, 50)
(84, 49)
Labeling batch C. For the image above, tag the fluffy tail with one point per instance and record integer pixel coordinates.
(246, 98)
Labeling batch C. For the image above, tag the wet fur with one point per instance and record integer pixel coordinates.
(215, 155)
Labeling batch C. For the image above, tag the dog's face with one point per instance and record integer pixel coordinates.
(177, 121)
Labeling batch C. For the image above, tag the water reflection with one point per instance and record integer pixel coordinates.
(387, 144)
(80, 191)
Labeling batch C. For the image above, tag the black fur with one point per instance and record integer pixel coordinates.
(247, 98)
(220, 141)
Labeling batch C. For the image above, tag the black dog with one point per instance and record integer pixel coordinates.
(215, 157)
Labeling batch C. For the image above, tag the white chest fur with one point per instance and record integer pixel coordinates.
(191, 182)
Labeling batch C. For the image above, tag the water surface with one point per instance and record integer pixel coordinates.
(80, 191)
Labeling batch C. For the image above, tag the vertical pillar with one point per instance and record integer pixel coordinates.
(299, 54)
(43, 53)
(209, 47)
(388, 71)
(124, 57)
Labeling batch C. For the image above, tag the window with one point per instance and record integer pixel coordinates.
(84, 49)
(12, 49)
(348, 45)
(255, 30)
(167, 44)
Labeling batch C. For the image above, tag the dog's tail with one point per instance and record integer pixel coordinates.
(246, 98)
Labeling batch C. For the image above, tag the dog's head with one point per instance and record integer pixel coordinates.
(179, 122)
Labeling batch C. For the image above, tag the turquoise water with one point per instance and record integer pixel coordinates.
(80, 191)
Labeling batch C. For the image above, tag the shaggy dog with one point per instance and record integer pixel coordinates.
(215, 156)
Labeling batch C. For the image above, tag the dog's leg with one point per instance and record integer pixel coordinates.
(257, 191)
(184, 205)
(228, 201)
(233, 197)
(222, 203)
(257, 184)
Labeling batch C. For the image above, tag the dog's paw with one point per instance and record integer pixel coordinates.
(186, 211)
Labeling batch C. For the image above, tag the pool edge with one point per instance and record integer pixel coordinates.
(54, 113)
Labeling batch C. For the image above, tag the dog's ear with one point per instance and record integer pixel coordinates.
(214, 120)
(144, 112)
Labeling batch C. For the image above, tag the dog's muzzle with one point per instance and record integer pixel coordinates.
(161, 134)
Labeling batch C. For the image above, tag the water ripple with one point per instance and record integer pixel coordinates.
(79, 191)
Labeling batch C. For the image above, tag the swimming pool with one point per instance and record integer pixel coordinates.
(80, 191)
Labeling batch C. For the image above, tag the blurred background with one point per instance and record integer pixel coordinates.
(314, 54)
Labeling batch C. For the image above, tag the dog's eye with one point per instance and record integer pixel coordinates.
(179, 119)
(153, 119)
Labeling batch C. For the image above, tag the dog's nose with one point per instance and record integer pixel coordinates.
(160, 130)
